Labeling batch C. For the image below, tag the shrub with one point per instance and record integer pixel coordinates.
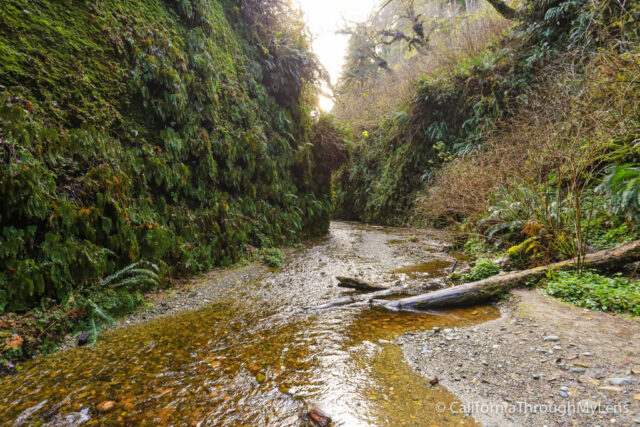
(591, 290)
(273, 257)
(622, 184)
(482, 269)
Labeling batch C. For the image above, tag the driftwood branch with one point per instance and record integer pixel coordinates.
(359, 299)
(360, 285)
(483, 290)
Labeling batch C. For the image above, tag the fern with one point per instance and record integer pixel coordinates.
(97, 311)
(622, 184)
(134, 274)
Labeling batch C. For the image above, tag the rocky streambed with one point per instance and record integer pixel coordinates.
(242, 347)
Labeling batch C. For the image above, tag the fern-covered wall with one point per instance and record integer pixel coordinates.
(174, 131)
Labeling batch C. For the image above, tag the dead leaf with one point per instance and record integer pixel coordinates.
(15, 342)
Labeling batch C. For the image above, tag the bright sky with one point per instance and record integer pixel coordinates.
(324, 18)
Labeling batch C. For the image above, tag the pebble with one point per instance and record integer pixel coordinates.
(106, 406)
(551, 338)
(577, 370)
(536, 376)
(587, 354)
(563, 393)
(618, 381)
(485, 363)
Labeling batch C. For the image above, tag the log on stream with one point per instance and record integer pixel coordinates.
(360, 285)
(483, 290)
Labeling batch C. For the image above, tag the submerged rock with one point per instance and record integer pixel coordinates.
(316, 418)
(106, 406)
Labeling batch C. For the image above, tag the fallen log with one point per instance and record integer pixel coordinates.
(360, 285)
(483, 290)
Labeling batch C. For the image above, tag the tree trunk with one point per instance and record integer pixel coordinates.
(504, 10)
(483, 290)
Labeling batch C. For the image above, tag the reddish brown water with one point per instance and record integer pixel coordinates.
(254, 356)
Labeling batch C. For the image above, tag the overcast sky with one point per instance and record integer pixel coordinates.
(323, 18)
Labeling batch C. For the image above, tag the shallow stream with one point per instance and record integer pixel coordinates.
(255, 356)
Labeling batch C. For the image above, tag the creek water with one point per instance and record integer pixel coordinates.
(256, 356)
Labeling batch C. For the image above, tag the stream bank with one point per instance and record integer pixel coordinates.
(542, 362)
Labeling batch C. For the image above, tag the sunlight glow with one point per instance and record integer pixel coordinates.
(324, 18)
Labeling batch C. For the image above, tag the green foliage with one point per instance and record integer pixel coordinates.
(603, 237)
(622, 185)
(476, 247)
(273, 257)
(482, 269)
(150, 130)
(450, 115)
(117, 294)
(591, 290)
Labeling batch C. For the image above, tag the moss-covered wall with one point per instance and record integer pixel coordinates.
(144, 129)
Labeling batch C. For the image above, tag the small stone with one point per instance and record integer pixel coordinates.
(563, 393)
(319, 418)
(577, 370)
(485, 363)
(83, 338)
(618, 381)
(536, 376)
(587, 354)
(436, 329)
(448, 331)
(551, 338)
(106, 406)
(261, 378)
(254, 369)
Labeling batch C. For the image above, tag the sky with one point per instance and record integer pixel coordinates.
(324, 18)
